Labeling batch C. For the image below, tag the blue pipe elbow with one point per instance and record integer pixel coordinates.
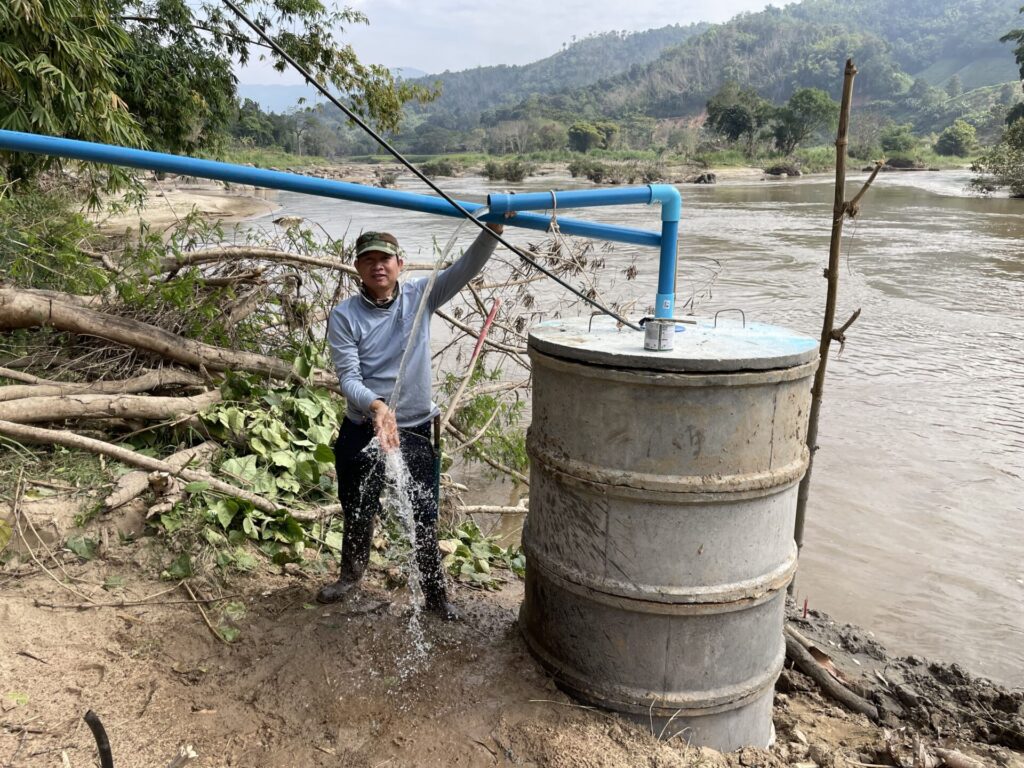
(670, 199)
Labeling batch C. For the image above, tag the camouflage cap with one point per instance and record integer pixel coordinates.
(383, 242)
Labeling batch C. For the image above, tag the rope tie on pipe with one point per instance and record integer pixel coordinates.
(553, 226)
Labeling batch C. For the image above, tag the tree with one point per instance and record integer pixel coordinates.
(158, 72)
(58, 77)
(1016, 36)
(807, 111)
(178, 80)
(958, 139)
(1003, 165)
(954, 87)
(583, 136)
(899, 139)
(735, 112)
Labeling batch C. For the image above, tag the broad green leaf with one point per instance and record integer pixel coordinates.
(288, 483)
(324, 454)
(302, 366)
(83, 547)
(197, 486)
(230, 634)
(244, 561)
(180, 567)
(225, 511)
(242, 467)
(284, 459)
(308, 471)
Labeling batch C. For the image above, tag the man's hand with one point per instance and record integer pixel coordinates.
(384, 425)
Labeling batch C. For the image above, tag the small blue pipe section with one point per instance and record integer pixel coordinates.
(574, 198)
(517, 207)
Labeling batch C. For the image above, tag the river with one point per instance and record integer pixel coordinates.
(916, 518)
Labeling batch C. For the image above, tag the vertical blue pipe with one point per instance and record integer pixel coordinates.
(671, 209)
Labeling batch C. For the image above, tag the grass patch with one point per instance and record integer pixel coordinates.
(271, 158)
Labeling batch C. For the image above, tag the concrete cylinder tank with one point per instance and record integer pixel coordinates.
(660, 535)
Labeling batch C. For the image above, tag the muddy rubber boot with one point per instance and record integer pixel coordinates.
(355, 556)
(428, 559)
(335, 591)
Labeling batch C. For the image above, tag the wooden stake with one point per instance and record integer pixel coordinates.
(840, 209)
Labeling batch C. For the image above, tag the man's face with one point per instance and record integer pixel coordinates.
(379, 272)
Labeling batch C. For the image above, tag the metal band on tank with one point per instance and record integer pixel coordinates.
(623, 481)
(675, 601)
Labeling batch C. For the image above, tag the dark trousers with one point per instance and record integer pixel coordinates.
(360, 482)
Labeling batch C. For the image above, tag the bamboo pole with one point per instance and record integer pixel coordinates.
(839, 210)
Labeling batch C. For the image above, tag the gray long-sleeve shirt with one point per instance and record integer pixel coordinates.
(367, 342)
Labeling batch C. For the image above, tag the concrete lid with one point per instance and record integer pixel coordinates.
(728, 348)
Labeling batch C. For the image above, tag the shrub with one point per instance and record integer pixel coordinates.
(513, 169)
(958, 139)
(441, 166)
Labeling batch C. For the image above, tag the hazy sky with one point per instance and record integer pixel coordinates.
(460, 34)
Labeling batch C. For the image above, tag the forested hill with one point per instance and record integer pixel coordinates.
(802, 45)
(467, 93)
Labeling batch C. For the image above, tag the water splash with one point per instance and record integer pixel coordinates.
(402, 494)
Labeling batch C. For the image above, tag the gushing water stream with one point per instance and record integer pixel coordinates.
(402, 494)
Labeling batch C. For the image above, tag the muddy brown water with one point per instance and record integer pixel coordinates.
(916, 518)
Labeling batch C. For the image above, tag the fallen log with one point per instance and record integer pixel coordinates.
(31, 410)
(132, 484)
(27, 434)
(804, 661)
(163, 377)
(22, 310)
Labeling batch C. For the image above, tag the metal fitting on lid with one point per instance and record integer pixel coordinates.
(658, 335)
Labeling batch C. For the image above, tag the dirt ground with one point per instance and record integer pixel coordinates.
(311, 685)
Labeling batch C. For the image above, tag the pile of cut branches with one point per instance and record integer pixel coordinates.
(195, 360)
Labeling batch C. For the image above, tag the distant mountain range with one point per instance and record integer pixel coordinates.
(672, 72)
(285, 98)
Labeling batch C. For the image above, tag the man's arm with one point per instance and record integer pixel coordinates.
(345, 354)
(453, 279)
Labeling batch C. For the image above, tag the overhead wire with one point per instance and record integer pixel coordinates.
(354, 117)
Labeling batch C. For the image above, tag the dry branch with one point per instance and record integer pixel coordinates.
(24, 433)
(803, 661)
(19, 309)
(134, 483)
(28, 410)
(163, 377)
(232, 253)
(475, 334)
(495, 464)
(28, 378)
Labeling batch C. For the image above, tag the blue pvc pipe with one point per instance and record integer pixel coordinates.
(574, 198)
(671, 211)
(15, 141)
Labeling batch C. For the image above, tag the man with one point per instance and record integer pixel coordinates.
(368, 334)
